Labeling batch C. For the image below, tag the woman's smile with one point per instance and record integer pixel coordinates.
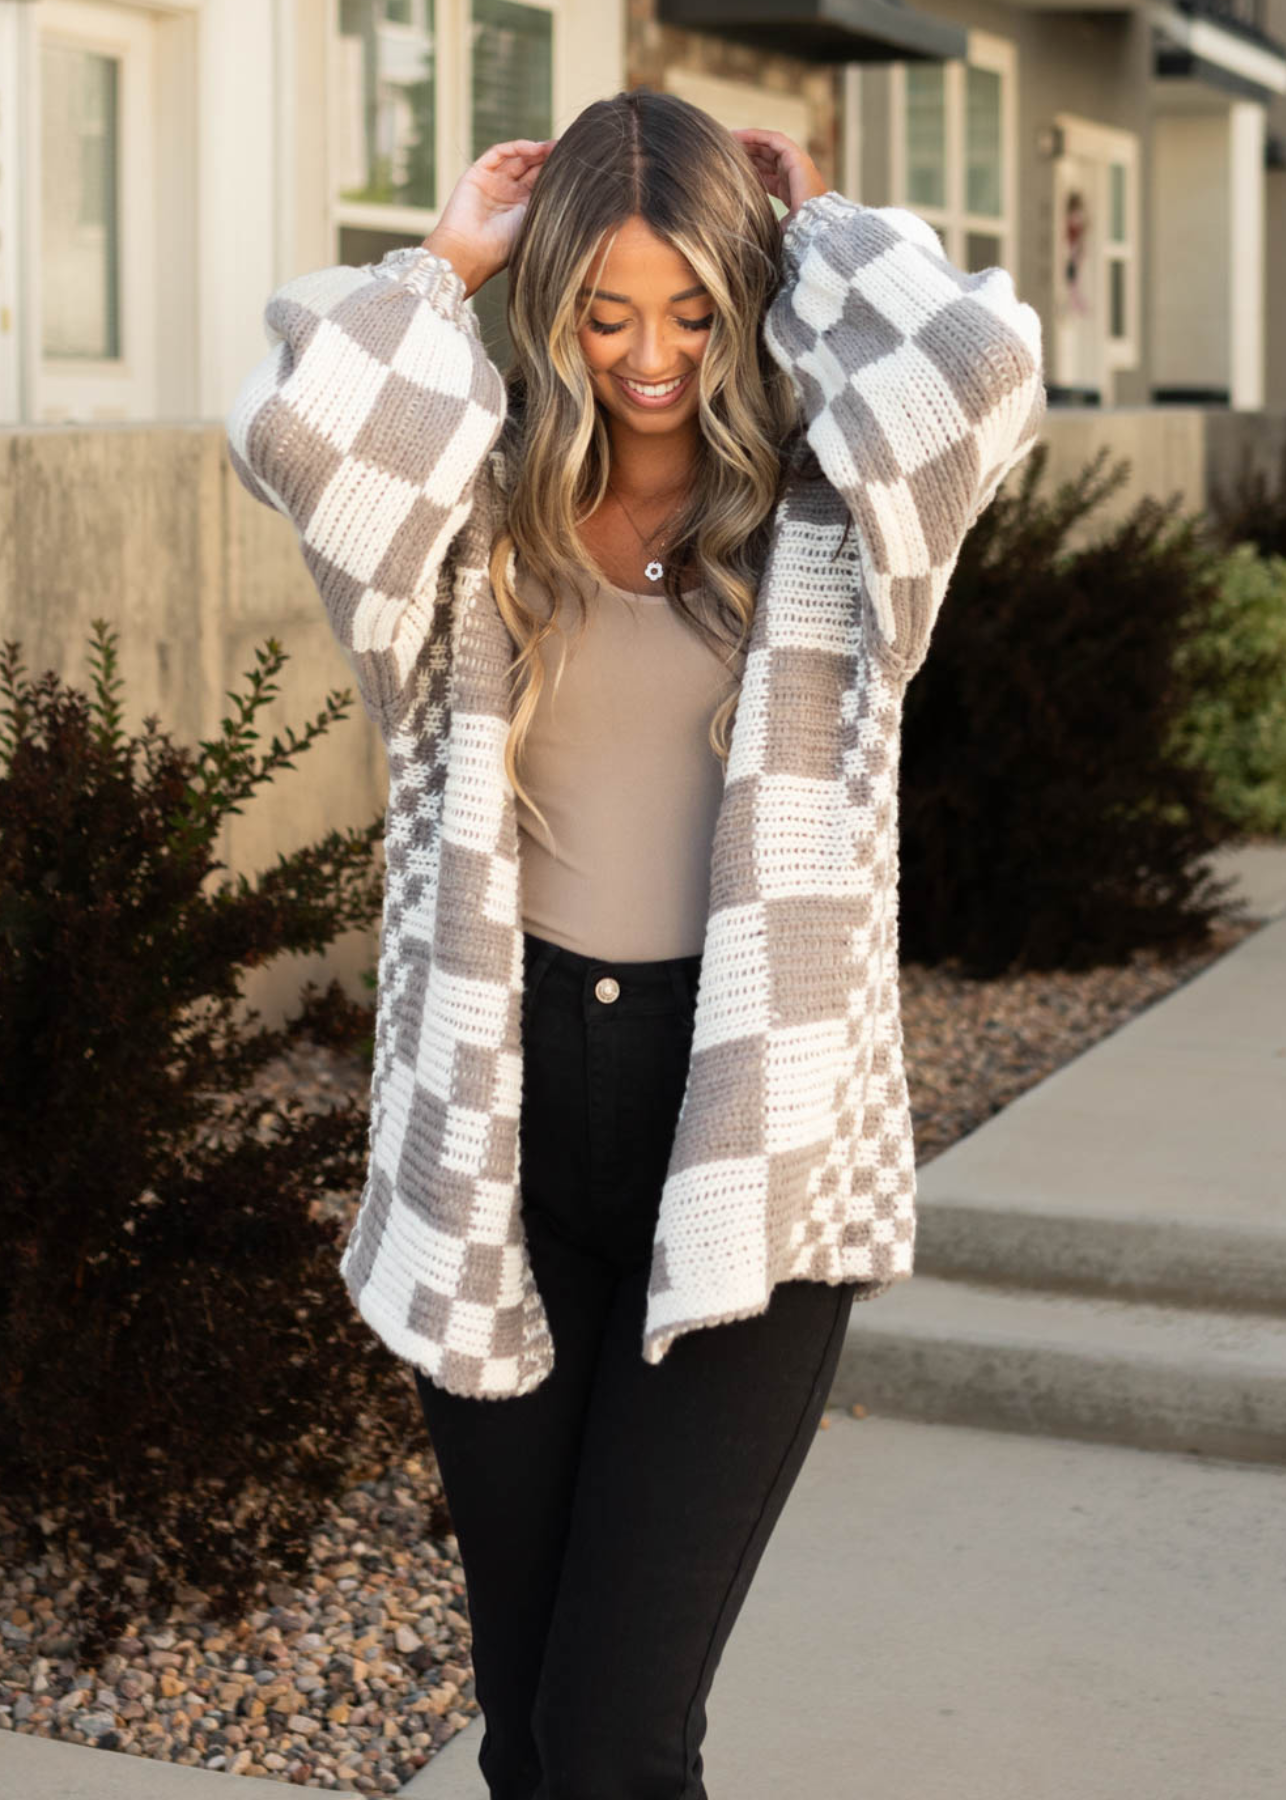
(654, 394)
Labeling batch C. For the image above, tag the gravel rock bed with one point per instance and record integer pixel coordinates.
(349, 1681)
(354, 1679)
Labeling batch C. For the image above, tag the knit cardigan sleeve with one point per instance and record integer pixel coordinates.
(366, 425)
(920, 388)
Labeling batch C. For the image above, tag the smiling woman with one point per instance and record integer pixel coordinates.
(640, 1130)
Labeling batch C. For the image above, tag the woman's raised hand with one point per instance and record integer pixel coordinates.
(787, 172)
(480, 220)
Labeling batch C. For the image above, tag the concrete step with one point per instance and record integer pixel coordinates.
(1184, 1263)
(1072, 1366)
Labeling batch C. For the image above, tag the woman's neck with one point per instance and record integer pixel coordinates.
(645, 464)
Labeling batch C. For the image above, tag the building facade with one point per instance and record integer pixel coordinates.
(164, 164)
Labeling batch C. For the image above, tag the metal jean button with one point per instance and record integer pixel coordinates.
(607, 988)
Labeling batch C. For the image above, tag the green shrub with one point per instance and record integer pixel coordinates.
(1235, 726)
(1046, 821)
(184, 1374)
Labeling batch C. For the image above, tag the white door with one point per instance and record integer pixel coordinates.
(90, 326)
(1079, 327)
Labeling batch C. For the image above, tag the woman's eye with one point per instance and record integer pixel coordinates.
(606, 330)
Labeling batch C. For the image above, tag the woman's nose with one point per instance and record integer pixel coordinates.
(652, 355)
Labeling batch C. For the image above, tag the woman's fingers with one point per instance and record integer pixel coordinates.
(786, 170)
(753, 134)
(508, 171)
(516, 150)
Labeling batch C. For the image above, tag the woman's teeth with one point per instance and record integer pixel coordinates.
(653, 390)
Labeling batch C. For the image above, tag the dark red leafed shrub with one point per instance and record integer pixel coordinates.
(184, 1375)
(1046, 818)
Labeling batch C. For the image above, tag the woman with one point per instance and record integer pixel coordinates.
(638, 1055)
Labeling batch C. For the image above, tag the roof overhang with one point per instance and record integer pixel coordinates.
(1192, 48)
(828, 31)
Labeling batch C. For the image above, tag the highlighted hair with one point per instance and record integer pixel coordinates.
(661, 158)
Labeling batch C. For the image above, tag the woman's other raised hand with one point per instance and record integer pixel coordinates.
(788, 173)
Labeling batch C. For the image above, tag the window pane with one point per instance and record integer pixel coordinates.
(1116, 202)
(926, 135)
(79, 202)
(399, 12)
(983, 184)
(385, 111)
(1116, 298)
(513, 72)
(982, 251)
(359, 246)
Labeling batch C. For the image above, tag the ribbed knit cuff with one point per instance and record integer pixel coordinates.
(816, 212)
(430, 275)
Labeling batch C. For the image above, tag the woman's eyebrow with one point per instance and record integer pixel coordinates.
(624, 299)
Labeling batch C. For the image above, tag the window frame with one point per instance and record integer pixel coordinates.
(953, 221)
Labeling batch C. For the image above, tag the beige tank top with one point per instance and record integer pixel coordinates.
(619, 760)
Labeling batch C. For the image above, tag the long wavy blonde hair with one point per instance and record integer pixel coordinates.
(660, 157)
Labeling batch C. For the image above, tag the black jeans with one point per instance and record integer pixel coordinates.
(610, 1521)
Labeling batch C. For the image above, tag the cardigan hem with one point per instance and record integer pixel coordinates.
(657, 1344)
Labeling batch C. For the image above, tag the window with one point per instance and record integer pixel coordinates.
(953, 150)
(86, 219)
(421, 88)
(386, 119)
(79, 210)
(511, 73)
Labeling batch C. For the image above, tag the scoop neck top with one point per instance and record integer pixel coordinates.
(633, 593)
(617, 756)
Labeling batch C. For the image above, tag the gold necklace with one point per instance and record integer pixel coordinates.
(655, 569)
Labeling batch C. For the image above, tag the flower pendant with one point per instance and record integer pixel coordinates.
(654, 570)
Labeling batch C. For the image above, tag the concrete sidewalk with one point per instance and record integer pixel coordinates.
(951, 1614)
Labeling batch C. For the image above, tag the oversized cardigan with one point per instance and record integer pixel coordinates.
(372, 424)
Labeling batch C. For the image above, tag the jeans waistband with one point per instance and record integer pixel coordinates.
(660, 981)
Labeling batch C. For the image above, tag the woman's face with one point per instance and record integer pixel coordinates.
(648, 322)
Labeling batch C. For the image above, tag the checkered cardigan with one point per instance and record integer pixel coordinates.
(372, 425)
